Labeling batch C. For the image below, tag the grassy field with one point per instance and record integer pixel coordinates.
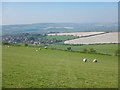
(103, 49)
(60, 37)
(25, 68)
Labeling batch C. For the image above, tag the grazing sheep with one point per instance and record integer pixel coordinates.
(45, 47)
(8, 46)
(84, 60)
(95, 60)
(36, 50)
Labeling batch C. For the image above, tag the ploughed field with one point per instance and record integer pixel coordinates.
(24, 67)
(76, 34)
(55, 37)
(97, 39)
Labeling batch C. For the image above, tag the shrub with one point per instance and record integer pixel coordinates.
(117, 52)
(69, 48)
(26, 44)
(86, 50)
(92, 50)
(5, 43)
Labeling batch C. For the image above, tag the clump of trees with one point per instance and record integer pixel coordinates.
(91, 50)
(26, 44)
(10, 43)
(117, 52)
(85, 50)
(6, 43)
(69, 48)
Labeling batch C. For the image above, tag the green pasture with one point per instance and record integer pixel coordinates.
(103, 49)
(24, 67)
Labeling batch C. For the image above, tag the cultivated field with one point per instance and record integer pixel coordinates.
(97, 39)
(54, 37)
(27, 68)
(80, 34)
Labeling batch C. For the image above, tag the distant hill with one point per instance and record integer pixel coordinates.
(58, 27)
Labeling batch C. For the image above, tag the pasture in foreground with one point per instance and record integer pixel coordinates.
(27, 68)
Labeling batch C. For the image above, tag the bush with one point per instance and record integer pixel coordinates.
(92, 50)
(86, 50)
(69, 48)
(5, 43)
(26, 44)
(117, 52)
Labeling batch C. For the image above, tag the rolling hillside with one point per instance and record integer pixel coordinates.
(59, 27)
(24, 67)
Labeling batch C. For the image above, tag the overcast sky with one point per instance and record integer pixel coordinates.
(45, 12)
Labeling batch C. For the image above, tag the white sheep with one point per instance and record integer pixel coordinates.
(36, 50)
(95, 60)
(84, 60)
(45, 47)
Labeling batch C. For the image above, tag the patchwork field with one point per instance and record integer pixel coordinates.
(97, 39)
(76, 34)
(59, 37)
(27, 68)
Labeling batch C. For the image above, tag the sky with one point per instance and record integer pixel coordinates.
(60, 0)
(58, 12)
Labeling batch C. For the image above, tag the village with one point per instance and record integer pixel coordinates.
(27, 38)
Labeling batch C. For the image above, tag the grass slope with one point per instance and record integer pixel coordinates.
(25, 68)
(103, 49)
